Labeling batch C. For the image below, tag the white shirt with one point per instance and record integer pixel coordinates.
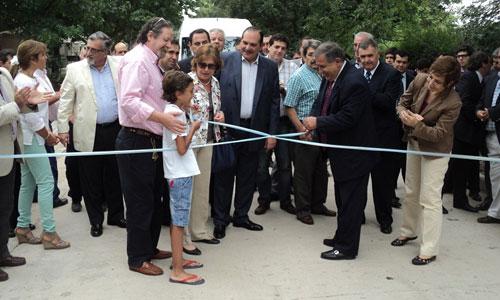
(44, 81)
(174, 164)
(34, 121)
(248, 81)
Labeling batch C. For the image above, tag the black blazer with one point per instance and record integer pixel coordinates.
(386, 87)
(349, 122)
(468, 126)
(490, 84)
(185, 65)
(266, 109)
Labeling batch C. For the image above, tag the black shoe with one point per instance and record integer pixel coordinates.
(324, 211)
(475, 196)
(486, 203)
(195, 251)
(219, 231)
(445, 211)
(289, 208)
(208, 241)
(96, 230)
(306, 219)
(387, 229)
(76, 207)
(467, 207)
(395, 203)
(335, 254)
(249, 225)
(60, 202)
(261, 209)
(32, 227)
(488, 220)
(329, 242)
(418, 261)
(122, 223)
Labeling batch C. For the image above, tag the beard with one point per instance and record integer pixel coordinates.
(91, 61)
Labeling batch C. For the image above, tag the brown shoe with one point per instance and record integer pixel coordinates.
(147, 268)
(3, 276)
(307, 219)
(24, 235)
(51, 240)
(12, 261)
(161, 254)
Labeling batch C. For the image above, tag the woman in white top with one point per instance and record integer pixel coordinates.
(35, 172)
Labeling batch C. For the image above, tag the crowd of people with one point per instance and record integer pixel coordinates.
(116, 98)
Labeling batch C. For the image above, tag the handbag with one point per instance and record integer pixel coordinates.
(223, 157)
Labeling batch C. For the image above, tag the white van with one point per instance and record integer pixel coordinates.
(233, 28)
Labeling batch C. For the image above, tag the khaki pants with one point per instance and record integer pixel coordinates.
(424, 180)
(199, 224)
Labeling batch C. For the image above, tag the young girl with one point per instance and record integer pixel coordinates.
(179, 167)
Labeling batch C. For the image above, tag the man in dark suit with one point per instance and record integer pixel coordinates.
(342, 115)
(385, 86)
(250, 98)
(197, 38)
(489, 113)
(467, 130)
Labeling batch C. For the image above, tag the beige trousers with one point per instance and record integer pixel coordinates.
(422, 204)
(199, 223)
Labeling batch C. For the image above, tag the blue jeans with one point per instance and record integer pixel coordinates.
(180, 200)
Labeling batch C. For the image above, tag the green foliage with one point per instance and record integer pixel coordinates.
(481, 27)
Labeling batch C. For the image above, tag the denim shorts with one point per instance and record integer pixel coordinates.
(180, 200)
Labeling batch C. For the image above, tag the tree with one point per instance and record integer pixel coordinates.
(481, 27)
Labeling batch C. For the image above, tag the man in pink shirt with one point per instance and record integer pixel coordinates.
(140, 111)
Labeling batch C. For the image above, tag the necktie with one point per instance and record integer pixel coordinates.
(368, 76)
(403, 80)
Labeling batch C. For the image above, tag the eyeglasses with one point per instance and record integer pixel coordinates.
(200, 43)
(93, 50)
(203, 65)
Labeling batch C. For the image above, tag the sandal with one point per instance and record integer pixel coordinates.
(190, 264)
(399, 242)
(24, 235)
(418, 261)
(191, 280)
(51, 240)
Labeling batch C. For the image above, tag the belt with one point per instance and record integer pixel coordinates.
(143, 132)
(104, 125)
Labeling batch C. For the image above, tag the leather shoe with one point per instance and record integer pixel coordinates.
(306, 219)
(147, 268)
(387, 229)
(335, 254)
(324, 211)
(219, 231)
(3, 276)
(261, 209)
(76, 207)
(208, 241)
(96, 230)
(249, 225)
(467, 207)
(488, 220)
(60, 202)
(122, 223)
(329, 242)
(195, 251)
(12, 261)
(289, 208)
(162, 254)
(395, 203)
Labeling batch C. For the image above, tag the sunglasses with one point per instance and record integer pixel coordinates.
(203, 65)
(158, 22)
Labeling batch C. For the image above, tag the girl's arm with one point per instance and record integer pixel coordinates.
(183, 142)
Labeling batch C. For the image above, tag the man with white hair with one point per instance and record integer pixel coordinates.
(217, 38)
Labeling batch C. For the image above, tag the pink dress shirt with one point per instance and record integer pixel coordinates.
(140, 90)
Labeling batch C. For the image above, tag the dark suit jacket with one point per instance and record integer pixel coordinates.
(185, 65)
(386, 87)
(490, 84)
(265, 112)
(468, 126)
(349, 122)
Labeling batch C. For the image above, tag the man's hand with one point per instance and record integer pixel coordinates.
(170, 121)
(270, 143)
(52, 139)
(310, 123)
(21, 97)
(64, 138)
(483, 114)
